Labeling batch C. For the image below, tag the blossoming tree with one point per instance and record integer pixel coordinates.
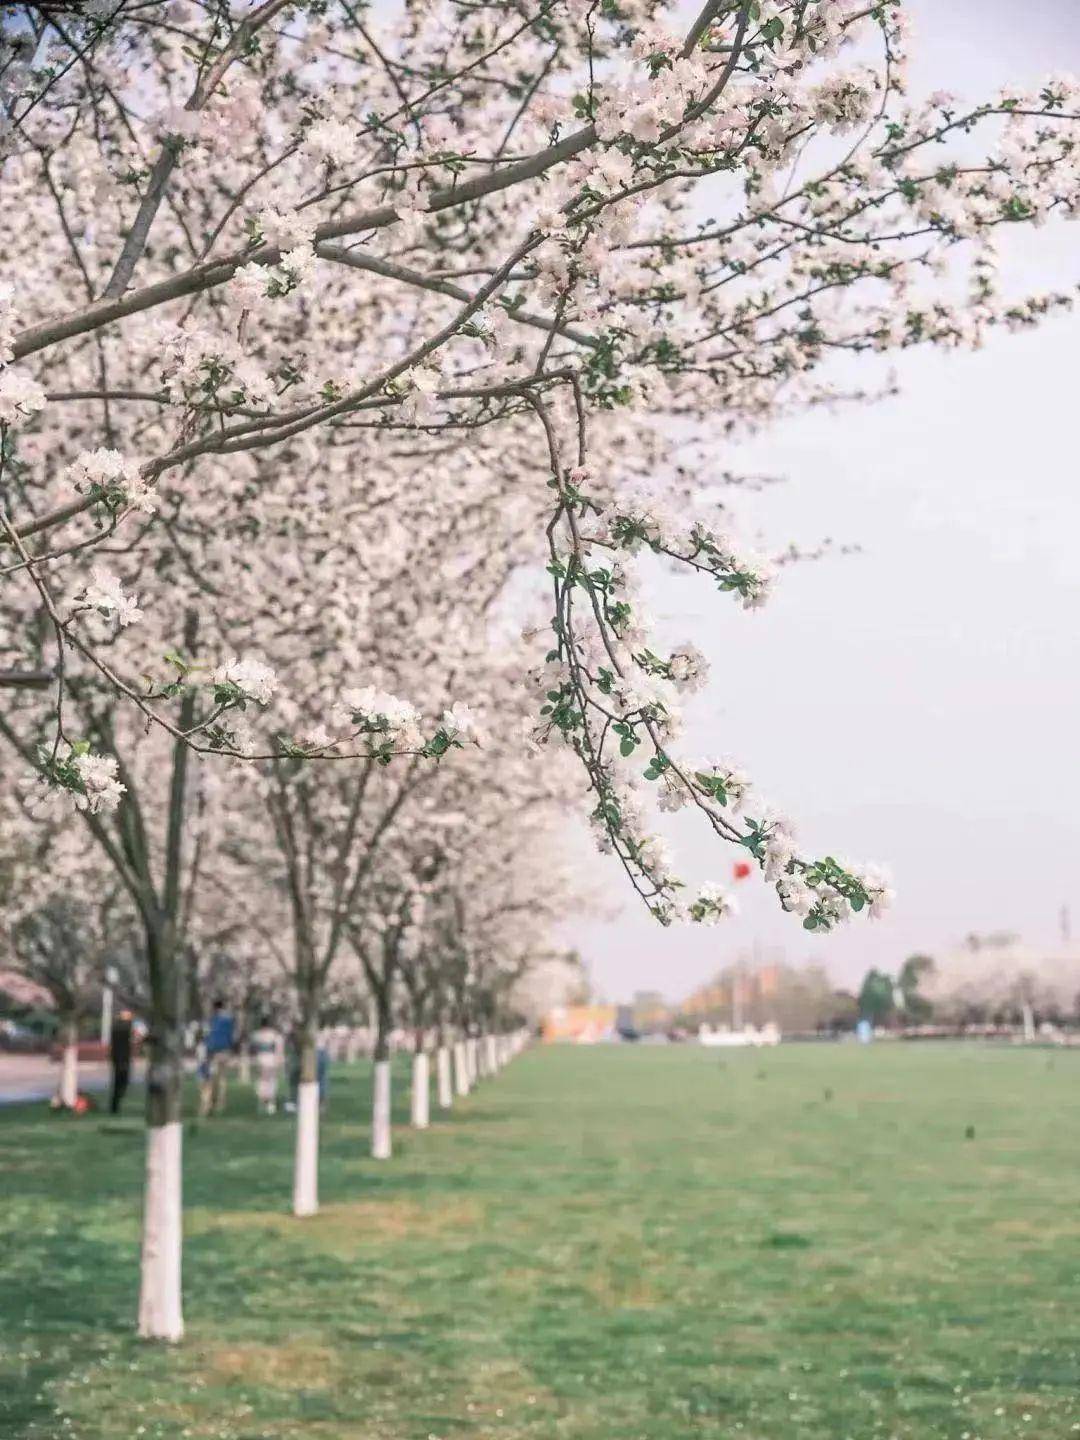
(65, 922)
(289, 262)
(199, 292)
(439, 931)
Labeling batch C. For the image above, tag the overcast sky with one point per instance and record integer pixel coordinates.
(915, 704)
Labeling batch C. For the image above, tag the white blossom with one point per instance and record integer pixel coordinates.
(331, 140)
(713, 904)
(105, 593)
(21, 396)
(459, 721)
(688, 668)
(101, 788)
(8, 322)
(795, 895)
(117, 478)
(255, 679)
(383, 713)
(286, 229)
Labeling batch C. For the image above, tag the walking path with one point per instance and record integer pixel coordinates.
(26, 1078)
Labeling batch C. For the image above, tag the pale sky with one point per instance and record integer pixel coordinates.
(916, 704)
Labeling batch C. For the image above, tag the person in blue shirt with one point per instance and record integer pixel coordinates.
(220, 1043)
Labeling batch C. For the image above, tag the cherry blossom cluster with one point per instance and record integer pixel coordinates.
(21, 397)
(275, 338)
(105, 593)
(612, 699)
(112, 481)
(90, 780)
(633, 521)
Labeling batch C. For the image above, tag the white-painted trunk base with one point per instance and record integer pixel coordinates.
(471, 1060)
(421, 1091)
(491, 1054)
(443, 1078)
(381, 1146)
(306, 1163)
(69, 1076)
(461, 1069)
(160, 1313)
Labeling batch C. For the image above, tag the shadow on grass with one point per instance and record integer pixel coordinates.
(67, 1296)
(70, 1221)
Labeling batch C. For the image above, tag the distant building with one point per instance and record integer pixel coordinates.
(733, 994)
(797, 999)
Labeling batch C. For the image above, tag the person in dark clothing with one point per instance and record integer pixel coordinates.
(120, 1057)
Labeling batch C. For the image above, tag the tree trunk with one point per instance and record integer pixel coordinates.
(106, 1013)
(160, 1307)
(491, 1054)
(1028, 1018)
(160, 1300)
(471, 1065)
(461, 1068)
(420, 1091)
(306, 1160)
(442, 1072)
(69, 1062)
(381, 1143)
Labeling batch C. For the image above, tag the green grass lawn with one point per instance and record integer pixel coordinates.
(604, 1244)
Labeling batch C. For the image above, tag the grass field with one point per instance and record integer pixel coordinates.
(607, 1244)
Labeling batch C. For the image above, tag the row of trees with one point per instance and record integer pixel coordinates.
(452, 919)
(409, 864)
(316, 333)
(987, 980)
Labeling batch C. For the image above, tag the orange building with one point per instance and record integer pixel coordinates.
(578, 1024)
(733, 992)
